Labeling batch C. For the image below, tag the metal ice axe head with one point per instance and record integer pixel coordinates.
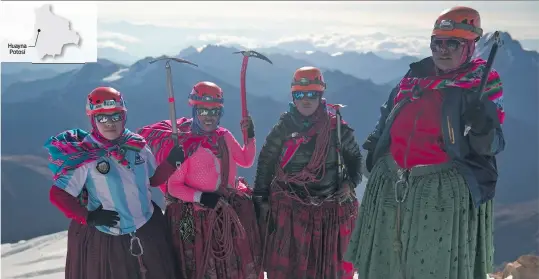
(171, 100)
(336, 107)
(252, 53)
(168, 58)
(495, 38)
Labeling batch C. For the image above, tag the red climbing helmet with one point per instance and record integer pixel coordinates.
(104, 100)
(308, 79)
(206, 93)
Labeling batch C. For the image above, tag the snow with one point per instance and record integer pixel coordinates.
(200, 49)
(41, 258)
(116, 75)
(44, 257)
(38, 258)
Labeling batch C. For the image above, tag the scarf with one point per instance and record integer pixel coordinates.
(158, 136)
(306, 122)
(72, 149)
(469, 79)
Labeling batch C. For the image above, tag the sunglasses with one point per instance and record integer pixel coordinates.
(103, 118)
(300, 95)
(208, 112)
(438, 45)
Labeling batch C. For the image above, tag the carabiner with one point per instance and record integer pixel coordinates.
(139, 244)
(404, 183)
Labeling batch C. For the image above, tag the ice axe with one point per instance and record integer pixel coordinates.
(497, 42)
(340, 167)
(246, 54)
(171, 101)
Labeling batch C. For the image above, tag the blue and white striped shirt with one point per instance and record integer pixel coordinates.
(126, 191)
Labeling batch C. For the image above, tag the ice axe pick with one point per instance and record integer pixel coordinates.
(246, 54)
(171, 101)
(497, 42)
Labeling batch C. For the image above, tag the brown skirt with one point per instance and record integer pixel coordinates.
(307, 241)
(92, 254)
(235, 242)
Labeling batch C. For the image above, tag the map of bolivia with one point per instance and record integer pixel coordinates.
(53, 33)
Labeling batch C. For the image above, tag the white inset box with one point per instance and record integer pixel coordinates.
(48, 32)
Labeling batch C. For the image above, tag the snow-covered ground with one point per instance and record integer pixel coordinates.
(39, 258)
(44, 257)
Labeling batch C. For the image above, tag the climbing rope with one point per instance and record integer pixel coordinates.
(223, 222)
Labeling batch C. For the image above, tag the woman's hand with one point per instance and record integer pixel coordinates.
(247, 124)
(176, 156)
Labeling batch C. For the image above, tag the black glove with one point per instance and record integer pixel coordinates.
(260, 206)
(209, 199)
(250, 127)
(264, 218)
(476, 116)
(368, 161)
(176, 156)
(101, 217)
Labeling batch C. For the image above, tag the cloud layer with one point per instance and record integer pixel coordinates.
(376, 42)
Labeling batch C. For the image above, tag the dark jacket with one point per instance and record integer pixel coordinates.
(273, 147)
(474, 155)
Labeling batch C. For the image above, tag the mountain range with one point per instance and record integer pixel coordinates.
(133, 41)
(47, 99)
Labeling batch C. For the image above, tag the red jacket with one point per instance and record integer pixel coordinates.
(416, 134)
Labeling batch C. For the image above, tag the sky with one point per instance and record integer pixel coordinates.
(398, 17)
(332, 26)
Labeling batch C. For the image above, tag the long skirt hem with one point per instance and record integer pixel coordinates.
(92, 254)
(441, 235)
(307, 241)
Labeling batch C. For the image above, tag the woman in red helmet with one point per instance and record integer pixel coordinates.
(306, 209)
(101, 182)
(209, 209)
(427, 208)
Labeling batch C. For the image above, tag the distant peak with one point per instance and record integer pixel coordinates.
(216, 48)
(508, 42)
(504, 35)
(104, 61)
(187, 51)
(203, 48)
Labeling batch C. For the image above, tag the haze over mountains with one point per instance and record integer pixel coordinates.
(39, 101)
(132, 41)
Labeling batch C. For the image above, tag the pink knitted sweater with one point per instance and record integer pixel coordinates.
(201, 171)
